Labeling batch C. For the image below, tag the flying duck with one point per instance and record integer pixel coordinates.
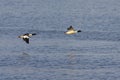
(71, 30)
(26, 37)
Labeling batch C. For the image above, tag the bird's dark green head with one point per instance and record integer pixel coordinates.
(79, 31)
(34, 34)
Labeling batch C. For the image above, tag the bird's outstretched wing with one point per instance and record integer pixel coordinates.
(26, 40)
(26, 34)
(70, 28)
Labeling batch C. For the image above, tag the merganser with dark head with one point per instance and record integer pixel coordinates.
(26, 37)
(71, 30)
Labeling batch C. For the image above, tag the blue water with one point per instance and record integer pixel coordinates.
(93, 54)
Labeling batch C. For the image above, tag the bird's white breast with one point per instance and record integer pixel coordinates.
(71, 32)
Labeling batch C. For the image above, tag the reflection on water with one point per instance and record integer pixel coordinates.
(24, 57)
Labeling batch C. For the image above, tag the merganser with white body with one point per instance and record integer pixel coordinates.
(26, 37)
(71, 30)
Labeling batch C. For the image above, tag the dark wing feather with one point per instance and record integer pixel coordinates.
(26, 40)
(26, 34)
(70, 28)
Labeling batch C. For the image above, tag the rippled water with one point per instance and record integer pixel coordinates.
(93, 54)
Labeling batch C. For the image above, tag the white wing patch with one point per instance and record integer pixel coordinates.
(25, 37)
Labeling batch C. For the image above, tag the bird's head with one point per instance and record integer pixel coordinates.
(79, 31)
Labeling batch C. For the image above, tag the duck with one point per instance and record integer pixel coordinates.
(26, 37)
(71, 30)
